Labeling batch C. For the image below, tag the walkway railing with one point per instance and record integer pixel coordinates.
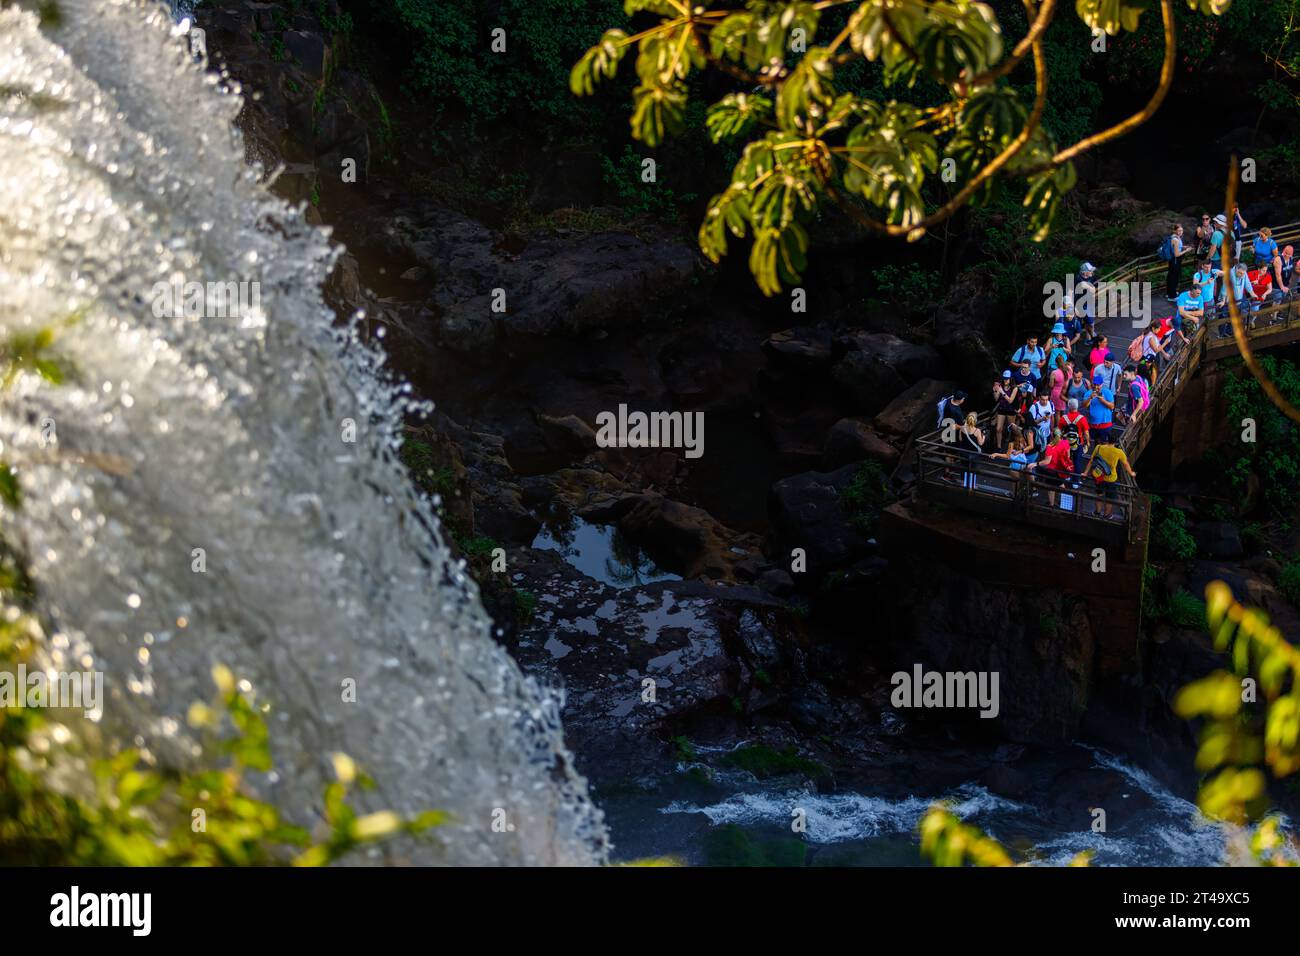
(1152, 268)
(963, 479)
(948, 473)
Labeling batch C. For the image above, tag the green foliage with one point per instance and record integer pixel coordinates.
(639, 199)
(1275, 454)
(1238, 738)
(764, 762)
(865, 496)
(1184, 609)
(729, 845)
(477, 546)
(445, 46)
(1170, 535)
(910, 286)
(525, 604)
(1288, 581)
(815, 136)
(685, 749)
(949, 842)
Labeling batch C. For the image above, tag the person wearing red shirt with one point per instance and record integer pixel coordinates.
(1261, 280)
(1054, 467)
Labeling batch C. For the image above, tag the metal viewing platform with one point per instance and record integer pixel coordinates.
(949, 475)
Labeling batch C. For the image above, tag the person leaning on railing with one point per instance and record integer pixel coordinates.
(1190, 311)
(1104, 465)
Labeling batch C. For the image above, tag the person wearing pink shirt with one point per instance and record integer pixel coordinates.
(1098, 353)
(1060, 375)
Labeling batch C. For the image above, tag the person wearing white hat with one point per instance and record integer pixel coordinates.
(1216, 238)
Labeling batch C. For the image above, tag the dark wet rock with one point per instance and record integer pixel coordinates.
(1112, 201)
(966, 351)
(915, 410)
(499, 508)
(1078, 792)
(864, 384)
(554, 286)
(1145, 237)
(912, 360)
(1039, 642)
(776, 581)
(814, 711)
(852, 440)
(1220, 540)
(806, 512)
(796, 435)
(685, 539)
(807, 350)
(309, 49)
(568, 434)
(1006, 781)
(699, 645)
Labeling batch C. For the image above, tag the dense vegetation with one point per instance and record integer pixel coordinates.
(1273, 458)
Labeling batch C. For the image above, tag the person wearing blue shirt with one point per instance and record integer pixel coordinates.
(1265, 247)
(1207, 275)
(1216, 240)
(1032, 353)
(1099, 406)
(1190, 309)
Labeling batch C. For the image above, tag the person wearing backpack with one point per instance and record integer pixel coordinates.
(1074, 426)
(1032, 353)
(1103, 465)
(1153, 349)
(1041, 413)
(1171, 251)
(1217, 238)
(1207, 275)
(950, 409)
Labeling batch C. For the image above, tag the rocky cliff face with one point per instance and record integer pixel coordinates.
(522, 339)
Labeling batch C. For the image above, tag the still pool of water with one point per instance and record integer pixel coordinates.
(602, 552)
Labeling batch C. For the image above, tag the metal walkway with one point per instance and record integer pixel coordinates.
(949, 475)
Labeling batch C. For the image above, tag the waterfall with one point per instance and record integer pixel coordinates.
(262, 434)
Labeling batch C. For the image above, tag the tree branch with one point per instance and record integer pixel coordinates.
(1138, 118)
(979, 179)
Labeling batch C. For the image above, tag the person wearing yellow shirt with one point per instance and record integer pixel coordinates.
(1104, 464)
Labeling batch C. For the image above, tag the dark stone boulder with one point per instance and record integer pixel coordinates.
(687, 540)
(915, 410)
(309, 49)
(489, 296)
(807, 512)
(865, 384)
(637, 663)
(1218, 539)
(852, 440)
(912, 360)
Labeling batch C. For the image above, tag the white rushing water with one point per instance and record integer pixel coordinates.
(119, 169)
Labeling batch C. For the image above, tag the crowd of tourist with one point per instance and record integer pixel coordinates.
(1060, 409)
